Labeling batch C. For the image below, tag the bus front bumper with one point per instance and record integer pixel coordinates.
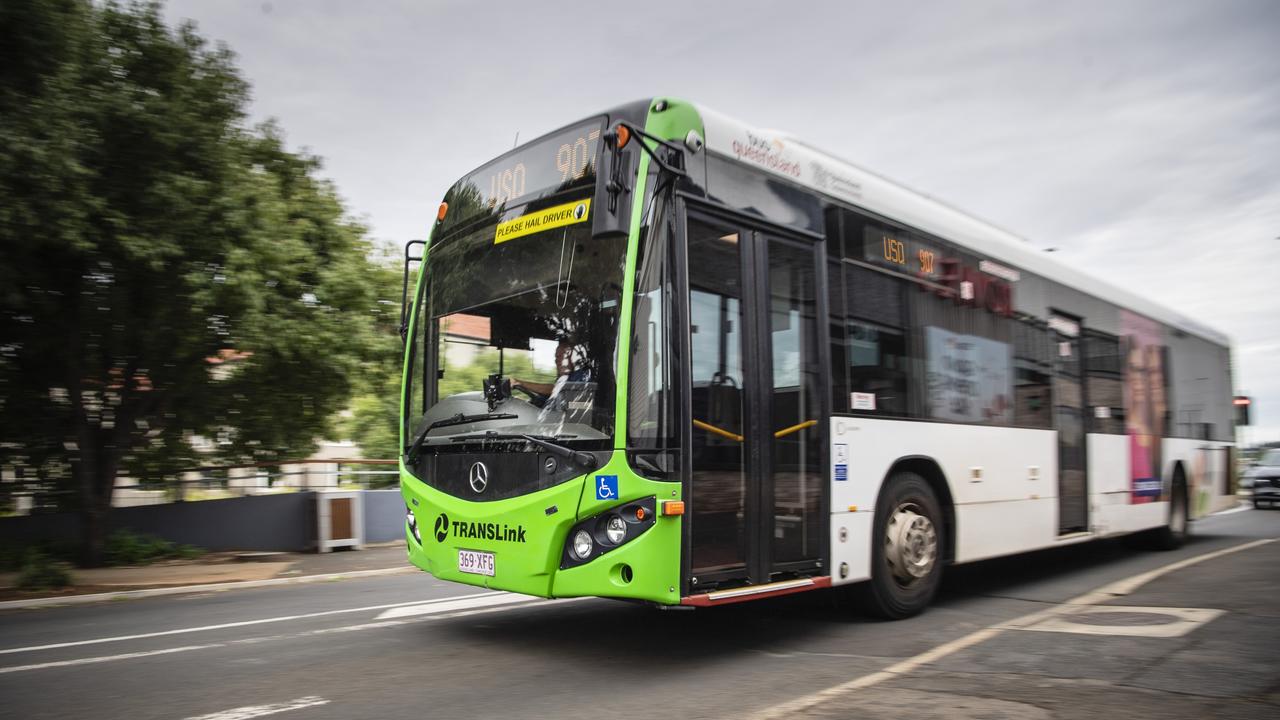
(518, 544)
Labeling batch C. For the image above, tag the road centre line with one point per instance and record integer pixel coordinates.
(261, 621)
(443, 613)
(107, 658)
(903, 667)
(256, 711)
(203, 588)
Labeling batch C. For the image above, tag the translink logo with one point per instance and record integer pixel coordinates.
(478, 530)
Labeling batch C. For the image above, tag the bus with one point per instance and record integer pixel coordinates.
(665, 356)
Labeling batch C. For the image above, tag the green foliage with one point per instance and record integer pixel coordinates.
(125, 547)
(470, 377)
(375, 409)
(13, 555)
(374, 414)
(41, 572)
(164, 271)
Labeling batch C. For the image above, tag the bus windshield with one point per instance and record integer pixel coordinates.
(528, 296)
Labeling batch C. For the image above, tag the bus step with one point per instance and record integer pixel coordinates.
(756, 592)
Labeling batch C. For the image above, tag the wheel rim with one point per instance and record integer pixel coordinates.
(911, 544)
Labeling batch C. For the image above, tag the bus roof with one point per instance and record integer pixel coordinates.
(783, 155)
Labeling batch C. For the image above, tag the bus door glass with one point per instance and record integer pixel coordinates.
(1068, 418)
(795, 433)
(719, 483)
(757, 453)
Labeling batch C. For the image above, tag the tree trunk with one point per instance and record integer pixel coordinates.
(100, 452)
(93, 548)
(97, 504)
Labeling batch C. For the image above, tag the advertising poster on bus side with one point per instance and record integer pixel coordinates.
(969, 378)
(1145, 405)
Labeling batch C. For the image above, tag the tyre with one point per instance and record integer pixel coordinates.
(1257, 505)
(908, 547)
(1175, 532)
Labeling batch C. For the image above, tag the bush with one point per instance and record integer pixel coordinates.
(129, 548)
(13, 557)
(40, 572)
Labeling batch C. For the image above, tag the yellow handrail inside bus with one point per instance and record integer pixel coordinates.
(738, 438)
(795, 428)
(718, 431)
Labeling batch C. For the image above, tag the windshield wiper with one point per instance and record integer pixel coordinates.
(584, 459)
(459, 419)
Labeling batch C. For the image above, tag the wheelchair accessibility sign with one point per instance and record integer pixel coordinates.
(606, 487)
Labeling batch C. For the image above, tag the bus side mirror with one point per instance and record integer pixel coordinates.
(404, 286)
(615, 176)
(615, 179)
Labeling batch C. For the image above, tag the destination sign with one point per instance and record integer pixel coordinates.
(985, 286)
(557, 162)
(900, 252)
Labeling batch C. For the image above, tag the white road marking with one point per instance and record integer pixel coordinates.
(246, 623)
(106, 658)
(1106, 592)
(257, 711)
(436, 608)
(205, 588)
(1179, 621)
(444, 613)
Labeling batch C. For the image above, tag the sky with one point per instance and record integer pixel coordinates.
(1139, 140)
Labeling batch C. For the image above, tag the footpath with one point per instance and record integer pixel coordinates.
(216, 571)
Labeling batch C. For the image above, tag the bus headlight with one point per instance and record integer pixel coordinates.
(616, 529)
(582, 544)
(607, 531)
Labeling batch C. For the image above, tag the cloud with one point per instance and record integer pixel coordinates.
(1140, 138)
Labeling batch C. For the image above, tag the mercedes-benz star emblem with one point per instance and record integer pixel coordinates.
(479, 477)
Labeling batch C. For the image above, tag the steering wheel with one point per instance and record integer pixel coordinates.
(536, 399)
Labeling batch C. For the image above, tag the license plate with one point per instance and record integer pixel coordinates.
(475, 562)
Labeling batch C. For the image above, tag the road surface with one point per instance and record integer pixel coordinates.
(1200, 640)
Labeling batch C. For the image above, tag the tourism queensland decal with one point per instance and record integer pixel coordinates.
(781, 156)
(768, 152)
(1145, 404)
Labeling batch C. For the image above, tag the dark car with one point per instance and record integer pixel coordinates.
(1264, 477)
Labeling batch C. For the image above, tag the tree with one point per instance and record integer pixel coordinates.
(374, 415)
(163, 270)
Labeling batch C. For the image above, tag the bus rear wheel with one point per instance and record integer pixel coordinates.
(907, 552)
(1176, 531)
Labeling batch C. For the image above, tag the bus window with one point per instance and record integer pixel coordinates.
(967, 357)
(1103, 391)
(1033, 374)
(652, 400)
(875, 348)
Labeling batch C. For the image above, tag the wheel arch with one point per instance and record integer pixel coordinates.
(1177, 476)
(928, 468)
(1178, 482)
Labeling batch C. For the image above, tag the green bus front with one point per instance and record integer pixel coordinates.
(514, 470)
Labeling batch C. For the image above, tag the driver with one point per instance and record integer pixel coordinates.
(569, 368)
